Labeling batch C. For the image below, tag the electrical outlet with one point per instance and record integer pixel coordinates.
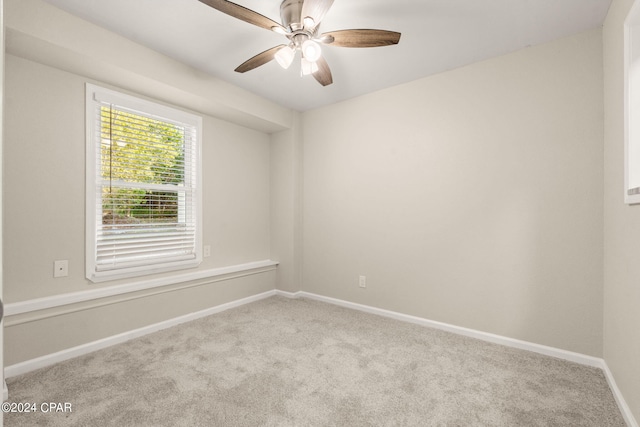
(207, 250)
(61, 268)
(362, 281)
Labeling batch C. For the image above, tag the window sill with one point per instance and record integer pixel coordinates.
(37, 304)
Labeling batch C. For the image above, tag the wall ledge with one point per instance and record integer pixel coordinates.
(37, 304)
(70, 353)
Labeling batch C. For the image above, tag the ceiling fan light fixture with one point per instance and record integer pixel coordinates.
(279, 30)
(308, 67)
(309, 22)
(300, 23)
(285, 56)
(311, 50)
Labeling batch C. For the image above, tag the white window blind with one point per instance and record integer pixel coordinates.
(143, 216)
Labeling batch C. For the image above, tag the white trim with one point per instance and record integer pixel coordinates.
(631, 131)
(50, 359)
(484, 336)
(5, 391)
(291, 295)
(94, 98)
(37, 304)
(622, 403)
(143, 106)
(47, 360)
(472, 333)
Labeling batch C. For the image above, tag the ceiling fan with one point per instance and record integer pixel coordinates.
(301, 21)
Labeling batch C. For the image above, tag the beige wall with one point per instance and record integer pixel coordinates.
(31, 335)
(472, 197)
(286, 222)
(38, 31)
(51, 54)
(621, 225)
(45, 162)
(44, 216)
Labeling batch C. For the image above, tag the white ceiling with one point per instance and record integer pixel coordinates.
(437, 35)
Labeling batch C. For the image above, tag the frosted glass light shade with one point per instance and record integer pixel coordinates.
(311, 50)
(308, 67)
(285, 57)
(309, 22)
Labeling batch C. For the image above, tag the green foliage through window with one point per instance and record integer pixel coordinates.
(141, 160)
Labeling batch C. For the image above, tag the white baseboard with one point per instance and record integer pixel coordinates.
(622, 403)
(292, 295)
(472, 333)
(50, 359)
(47, 360)
(484, 336)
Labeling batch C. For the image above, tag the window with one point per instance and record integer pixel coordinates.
(143, 187)
(632, 106)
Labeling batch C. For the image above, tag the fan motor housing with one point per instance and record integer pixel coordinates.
(290, 13)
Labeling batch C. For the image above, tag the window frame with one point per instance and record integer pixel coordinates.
(632, 106)
(95, 95)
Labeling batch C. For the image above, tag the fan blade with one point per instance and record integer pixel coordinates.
(259, 59)
(315, 9)
(323, 75)
(243, 14)
(360, 38)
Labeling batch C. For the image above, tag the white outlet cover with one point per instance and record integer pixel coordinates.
(61, 268)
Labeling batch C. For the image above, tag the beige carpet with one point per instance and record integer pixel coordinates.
(281, 362)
